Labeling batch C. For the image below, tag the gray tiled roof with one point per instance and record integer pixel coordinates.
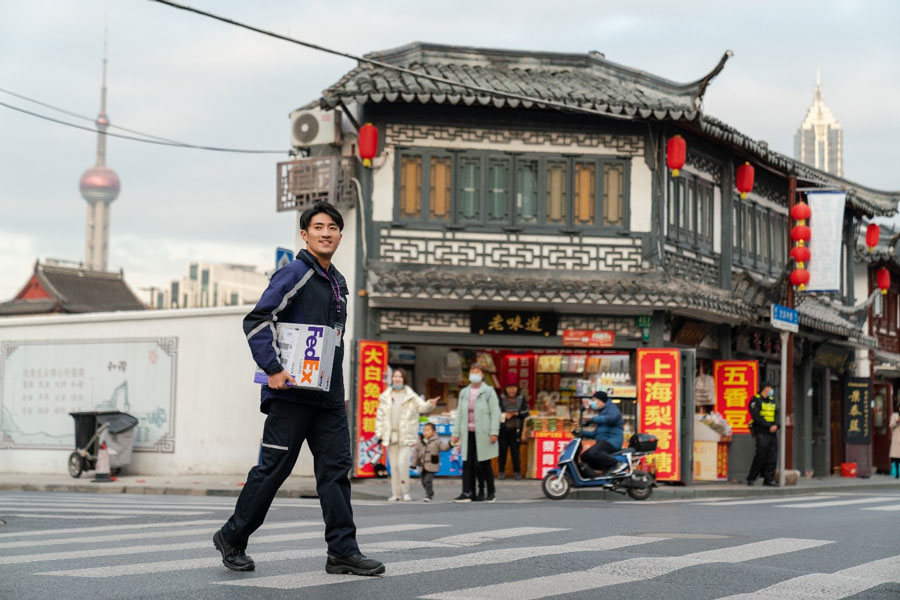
(587, 81)
(76, 290)
(390, 285)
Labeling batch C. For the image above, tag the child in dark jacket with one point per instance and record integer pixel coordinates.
(428, 455)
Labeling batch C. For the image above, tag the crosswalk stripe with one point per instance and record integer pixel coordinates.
(113, 504)
(626, 571)
(113, 511)
(471, 559)
(109, 528)
(172, 532)
(202, 563)
(829, 503)
(69, 517)
(478, 537)
(768, 500)
(286, 537)
(889, 507)
(830, 586)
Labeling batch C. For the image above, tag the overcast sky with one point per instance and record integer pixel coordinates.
(182, 76)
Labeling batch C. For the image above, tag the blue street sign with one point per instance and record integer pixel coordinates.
(283, 256)
(784, 318)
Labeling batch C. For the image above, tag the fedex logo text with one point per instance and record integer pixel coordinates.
(311, 355)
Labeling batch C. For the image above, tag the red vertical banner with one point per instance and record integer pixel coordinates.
(735, 385)
(373, 365)
(658, 383)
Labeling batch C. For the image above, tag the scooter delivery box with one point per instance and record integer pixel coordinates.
(643, 442)
(307, 353)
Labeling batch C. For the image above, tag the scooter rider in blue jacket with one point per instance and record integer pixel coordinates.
(609, 435)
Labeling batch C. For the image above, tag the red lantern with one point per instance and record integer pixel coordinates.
(799, 278)
(800, 254)
(745, 179)
(368, 143)
(883, 278)
(873, 232)
(800, 234)
(676, 151)
(800, 212)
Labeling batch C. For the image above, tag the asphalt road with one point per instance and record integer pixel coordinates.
(96, 546)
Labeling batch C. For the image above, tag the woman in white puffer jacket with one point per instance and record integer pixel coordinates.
(397, 428)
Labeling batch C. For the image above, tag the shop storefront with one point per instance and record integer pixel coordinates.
(554, 366)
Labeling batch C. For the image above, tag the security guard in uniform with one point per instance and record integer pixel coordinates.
(764, 426)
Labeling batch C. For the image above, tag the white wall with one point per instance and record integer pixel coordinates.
(218, 425)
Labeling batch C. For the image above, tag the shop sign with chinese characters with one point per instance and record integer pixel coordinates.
(547, 448)
(589, 338)
(373, 365)
(856, 411)
(510, 322)
(735, 384)
(658, 379)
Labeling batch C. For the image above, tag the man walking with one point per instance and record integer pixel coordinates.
(764, 427)
(310, 291)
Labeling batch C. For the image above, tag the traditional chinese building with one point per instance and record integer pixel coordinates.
(530, 216)
(57, 288)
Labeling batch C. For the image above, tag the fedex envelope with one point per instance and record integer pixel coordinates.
(307, 353)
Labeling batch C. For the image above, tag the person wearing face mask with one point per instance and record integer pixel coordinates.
(397, 427)
(610, 434)
(764, 423)
(477, 424)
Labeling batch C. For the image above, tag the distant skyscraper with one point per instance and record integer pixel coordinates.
(99, 187)
(820, 141)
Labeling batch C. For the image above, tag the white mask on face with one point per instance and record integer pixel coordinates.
(475, 378)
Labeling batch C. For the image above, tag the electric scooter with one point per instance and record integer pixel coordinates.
(558, 482)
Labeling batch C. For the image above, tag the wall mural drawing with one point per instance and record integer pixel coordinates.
(42, 381)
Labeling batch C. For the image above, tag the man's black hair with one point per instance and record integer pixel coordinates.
(317, 208)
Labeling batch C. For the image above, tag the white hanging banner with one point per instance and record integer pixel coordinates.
(826, 225)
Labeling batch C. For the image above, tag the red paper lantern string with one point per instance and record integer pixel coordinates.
(801, 255)
(800, 212)
(745, 179)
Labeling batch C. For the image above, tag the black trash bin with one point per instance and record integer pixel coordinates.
(115, 429)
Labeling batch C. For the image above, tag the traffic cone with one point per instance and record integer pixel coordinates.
(102, 473)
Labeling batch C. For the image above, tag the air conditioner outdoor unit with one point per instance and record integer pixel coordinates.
(315, 127)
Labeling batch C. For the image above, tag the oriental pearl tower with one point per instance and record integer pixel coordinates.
(99, 186)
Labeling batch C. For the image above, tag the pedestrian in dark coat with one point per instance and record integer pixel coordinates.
(514, 411)
(764, 424)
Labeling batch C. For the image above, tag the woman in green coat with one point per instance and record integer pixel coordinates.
(478, 425)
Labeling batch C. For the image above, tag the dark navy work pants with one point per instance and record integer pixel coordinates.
(766, 457)
(288, 424)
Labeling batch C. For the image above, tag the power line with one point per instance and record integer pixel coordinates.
(477, 88)
(139, 139)
(86, 118)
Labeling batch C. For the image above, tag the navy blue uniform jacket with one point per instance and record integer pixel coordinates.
(299, 292)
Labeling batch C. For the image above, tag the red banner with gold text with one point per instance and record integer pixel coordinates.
(373, 366)
(658, 379)
(735, 385)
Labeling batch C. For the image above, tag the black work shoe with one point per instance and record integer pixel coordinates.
(358, 564)
(770, 484)
(463, 498)
(234, 559)
(491, 498)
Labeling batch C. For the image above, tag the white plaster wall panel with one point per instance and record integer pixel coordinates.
(216, 417)
(641, 195)
(383, 187)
